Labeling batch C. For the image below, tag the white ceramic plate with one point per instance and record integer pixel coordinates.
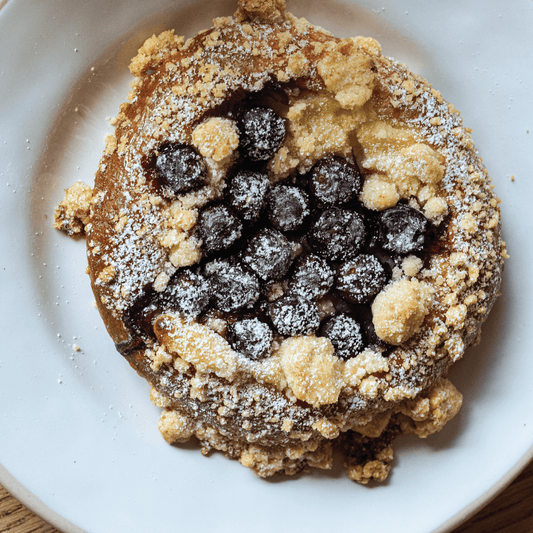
(78, 441)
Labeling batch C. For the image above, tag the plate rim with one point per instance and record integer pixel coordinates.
(29, 500)
(36, 506)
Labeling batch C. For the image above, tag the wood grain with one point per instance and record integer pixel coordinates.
(510, 512)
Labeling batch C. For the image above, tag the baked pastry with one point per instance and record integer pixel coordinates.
(292, 238)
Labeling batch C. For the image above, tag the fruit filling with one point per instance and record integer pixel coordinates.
(297, 256)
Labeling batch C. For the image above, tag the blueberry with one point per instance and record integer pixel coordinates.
(292, 315)
(361, 278)
(218, 228)
(312, 277)
(345, 334)
(231, 286)
(402, 230)
(247, 193)
(388, 261)
(287, 207)
(363, 315)
(334, 181)
(261, 132)
(251, 337)
(337, 234)
(268, 254)
(180, 167)
(186, 293)
(147, 306)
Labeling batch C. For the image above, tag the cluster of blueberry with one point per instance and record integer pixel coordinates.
(249, 242)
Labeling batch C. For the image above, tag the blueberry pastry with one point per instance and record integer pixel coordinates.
(292, 238)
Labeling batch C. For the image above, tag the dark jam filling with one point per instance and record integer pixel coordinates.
(274, 253)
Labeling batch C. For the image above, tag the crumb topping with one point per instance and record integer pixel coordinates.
(153, 52)
(379, 193)
(404, 168)
(348, 73)
(317, 126)
(197, 344)
(72, 213)
(216, 138)
(267, 10)
(399, 310)
(431, 411)
(312, 370)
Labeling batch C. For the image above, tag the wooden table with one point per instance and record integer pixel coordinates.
(510, 512)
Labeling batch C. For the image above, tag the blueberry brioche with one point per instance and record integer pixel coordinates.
(292, 238)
